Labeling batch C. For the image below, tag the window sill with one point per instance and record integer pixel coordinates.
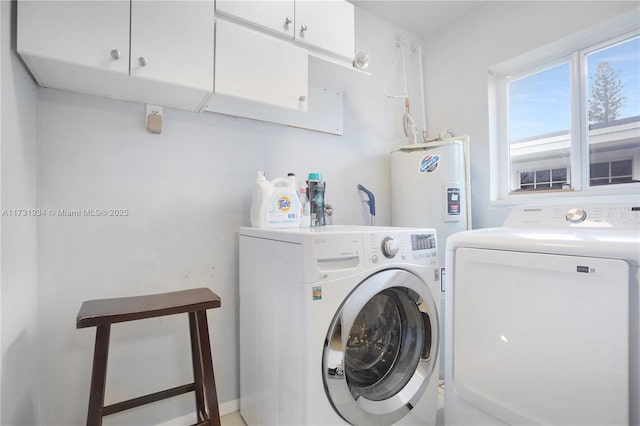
(540, 191)
(597, 195)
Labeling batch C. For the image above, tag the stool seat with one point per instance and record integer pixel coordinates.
(108, 311)
(104, 312)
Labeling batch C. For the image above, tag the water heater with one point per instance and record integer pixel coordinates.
(430, 188)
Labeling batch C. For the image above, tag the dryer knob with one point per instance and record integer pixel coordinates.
(390, 247)
(576, 215)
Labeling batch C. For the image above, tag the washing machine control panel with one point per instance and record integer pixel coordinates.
(390, 247)
(611, 216)
(416, 247)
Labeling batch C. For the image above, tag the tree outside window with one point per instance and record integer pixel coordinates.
(607, 98)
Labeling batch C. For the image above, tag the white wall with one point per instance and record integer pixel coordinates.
(188, 190)
(18, 260)
(458, 58)
(1, 348)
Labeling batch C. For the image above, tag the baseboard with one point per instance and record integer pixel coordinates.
(225, 408)
(229, 407)
(187, 419)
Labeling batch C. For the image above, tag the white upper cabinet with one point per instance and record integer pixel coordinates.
(93, 34)
(253, 66)
(99, 47)
(173, 41)
(326, 24)
(277, 15)
(164, 52)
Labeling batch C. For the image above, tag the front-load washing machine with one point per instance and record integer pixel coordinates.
(542, 319)
(339, 325)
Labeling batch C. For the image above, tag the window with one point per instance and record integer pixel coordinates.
(569, 123)
(545, 179)
(610, 172)
(613, 112)
(539, 122)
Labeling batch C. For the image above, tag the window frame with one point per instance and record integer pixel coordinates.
(574, 50)
(504, 100)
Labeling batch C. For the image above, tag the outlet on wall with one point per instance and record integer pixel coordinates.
(153, 110)
(153, 118)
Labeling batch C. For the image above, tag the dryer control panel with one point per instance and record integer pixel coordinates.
(613, 216)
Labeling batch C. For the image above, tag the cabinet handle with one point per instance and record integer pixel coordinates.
(288, 20)
(142, 61)
(302, 99)
(115, 54)
(303, 28)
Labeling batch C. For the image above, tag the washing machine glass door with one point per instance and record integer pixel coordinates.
(380, 350)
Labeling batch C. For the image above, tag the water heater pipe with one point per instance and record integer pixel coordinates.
(422, 98)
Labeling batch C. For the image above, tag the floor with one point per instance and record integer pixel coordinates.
(234, 418)
(440, 414)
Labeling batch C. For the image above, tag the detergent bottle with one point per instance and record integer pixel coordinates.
(301, 200)
(305, 218)
(316, 199)
(282, 209)
(262, 190)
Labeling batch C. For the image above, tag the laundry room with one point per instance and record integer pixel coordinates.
(128, 193)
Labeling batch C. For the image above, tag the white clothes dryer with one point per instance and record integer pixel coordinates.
(542, 319)
(339, 325)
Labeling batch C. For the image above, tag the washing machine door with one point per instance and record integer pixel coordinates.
(381, 348)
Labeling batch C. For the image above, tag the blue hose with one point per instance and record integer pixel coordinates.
(372, 199)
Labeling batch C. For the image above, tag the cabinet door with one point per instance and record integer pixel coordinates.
(254, 66)
(83, 33)
(276, 16)
(326, 24)
(173, 42)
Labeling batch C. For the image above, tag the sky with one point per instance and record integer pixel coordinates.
(624, 58)
(540, 103)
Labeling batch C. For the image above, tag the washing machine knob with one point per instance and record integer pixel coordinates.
(576, 215)
(390, 247)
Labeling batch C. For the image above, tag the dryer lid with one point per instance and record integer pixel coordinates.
(623, 245)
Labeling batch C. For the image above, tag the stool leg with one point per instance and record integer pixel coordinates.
(207, 369)
(197, 366)
(98, 375)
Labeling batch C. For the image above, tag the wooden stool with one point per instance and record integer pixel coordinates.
(102, 313)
